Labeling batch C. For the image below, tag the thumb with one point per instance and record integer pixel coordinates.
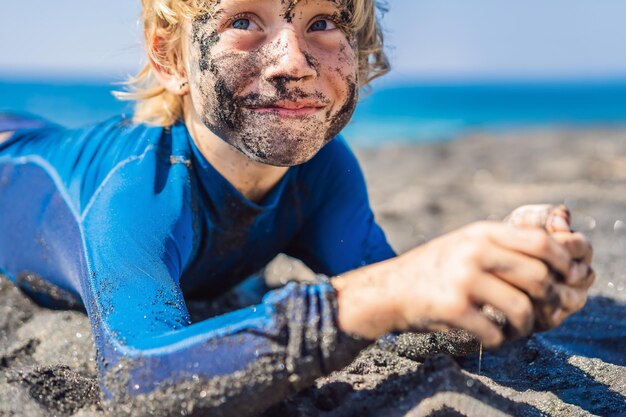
(558, 220)
(550, 217)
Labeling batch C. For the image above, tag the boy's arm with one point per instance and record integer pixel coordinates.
(123, 255)
(235, 364)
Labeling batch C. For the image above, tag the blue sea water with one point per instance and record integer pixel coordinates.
(409, 112)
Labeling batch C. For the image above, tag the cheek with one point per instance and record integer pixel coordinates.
(217, 87)
(340, 69)
(347, 64)
(203, 93)
(238, 71)
(342, 75)
(211, 65)
(344, 109)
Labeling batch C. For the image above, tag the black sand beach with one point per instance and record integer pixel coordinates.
(47, 359)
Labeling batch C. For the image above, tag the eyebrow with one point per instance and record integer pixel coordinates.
(219, 8)
(291, 4)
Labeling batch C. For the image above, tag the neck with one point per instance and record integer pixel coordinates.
(252, 179)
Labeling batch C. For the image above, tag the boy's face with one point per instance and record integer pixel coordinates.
(276, 79)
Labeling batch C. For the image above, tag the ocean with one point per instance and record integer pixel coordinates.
(410, 112)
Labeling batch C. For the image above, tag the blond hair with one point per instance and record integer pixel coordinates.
(155, 105)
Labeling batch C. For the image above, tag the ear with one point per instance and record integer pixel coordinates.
(172, 77)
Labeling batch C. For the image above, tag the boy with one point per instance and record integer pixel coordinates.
(230, 160)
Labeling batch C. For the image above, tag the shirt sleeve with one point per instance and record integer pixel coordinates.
(235, 364)
(339, 231)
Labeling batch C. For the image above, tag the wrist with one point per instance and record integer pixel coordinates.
(365, 308)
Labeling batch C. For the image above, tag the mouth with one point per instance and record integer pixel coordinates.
(289, 109)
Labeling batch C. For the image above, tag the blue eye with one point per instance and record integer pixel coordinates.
(242, 24)
(321, 25)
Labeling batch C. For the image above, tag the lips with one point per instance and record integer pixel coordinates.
(287, 108)
(297, 105)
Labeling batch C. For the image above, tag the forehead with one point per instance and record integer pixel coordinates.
(285, 4)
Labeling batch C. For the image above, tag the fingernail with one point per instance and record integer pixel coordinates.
(573, 273)
(559, 223)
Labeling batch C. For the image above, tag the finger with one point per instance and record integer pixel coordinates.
(545, 314)
(577, 274)
(533, 242)
(558, 317)
(571, 299)
(480, 326)
(529, 274)
(551, 320)
(558, 219)
(577, 244)
(581, 276)
(545, 308)
(547, 216)
(532, 215)
(513, 303)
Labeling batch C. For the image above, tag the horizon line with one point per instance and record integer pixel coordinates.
(389, 80)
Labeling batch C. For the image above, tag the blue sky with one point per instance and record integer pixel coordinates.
(429, 39)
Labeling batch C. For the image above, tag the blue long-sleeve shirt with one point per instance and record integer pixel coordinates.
(131, 220)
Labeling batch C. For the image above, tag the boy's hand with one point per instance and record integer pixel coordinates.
(445, 282)
(556, 220)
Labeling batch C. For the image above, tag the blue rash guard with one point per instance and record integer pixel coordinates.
(132, 220)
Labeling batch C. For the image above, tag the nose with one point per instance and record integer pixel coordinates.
(288, 60)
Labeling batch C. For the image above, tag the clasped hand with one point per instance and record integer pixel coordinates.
(531, 268)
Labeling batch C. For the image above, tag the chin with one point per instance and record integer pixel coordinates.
(282, 152)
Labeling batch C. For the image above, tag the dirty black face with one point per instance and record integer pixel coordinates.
(275, 79)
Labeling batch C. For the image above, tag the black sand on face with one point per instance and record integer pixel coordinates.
(223, 93)
(47, 362)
